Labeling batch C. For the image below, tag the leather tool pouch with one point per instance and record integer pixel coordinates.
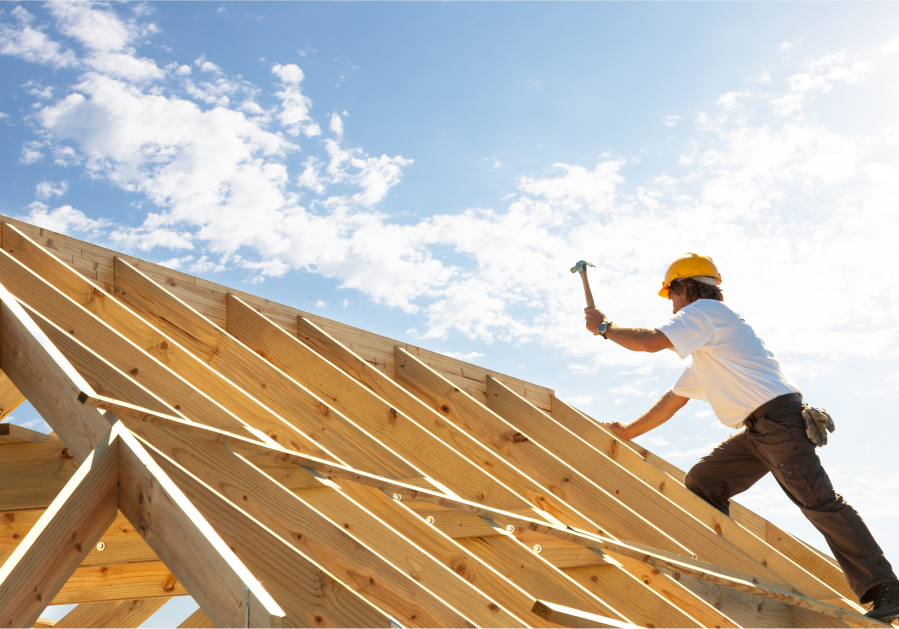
(818, 423)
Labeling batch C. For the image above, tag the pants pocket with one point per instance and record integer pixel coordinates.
(806, 482)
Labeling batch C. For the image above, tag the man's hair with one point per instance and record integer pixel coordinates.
(695, 290)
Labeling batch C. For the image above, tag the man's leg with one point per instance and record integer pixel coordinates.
(781, 443)
(730, 469)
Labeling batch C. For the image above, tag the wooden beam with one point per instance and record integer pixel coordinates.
(121, 544)
(119, 582)
(197, 620)
(33, 473)
(607, 447)
(407, 437)
(102, 323)
(413, 538)
(106, 379)
(380, 579)
(439, 425)
(188, 545)
(587, 499)
(241, 365)
(11, 433)
(45, 377)
(51, 551)
(309, 595)
(570, 617)
(122, 614)
(10, 398)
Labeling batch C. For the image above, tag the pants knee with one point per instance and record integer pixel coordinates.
(694, 482)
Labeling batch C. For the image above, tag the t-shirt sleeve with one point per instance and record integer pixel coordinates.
(688, 385)
(688, 330)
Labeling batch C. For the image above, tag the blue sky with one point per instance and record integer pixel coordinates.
(430, 171)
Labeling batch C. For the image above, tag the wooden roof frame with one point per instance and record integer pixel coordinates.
(288, 470)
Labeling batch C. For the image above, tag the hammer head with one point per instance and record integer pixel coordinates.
(581, 266)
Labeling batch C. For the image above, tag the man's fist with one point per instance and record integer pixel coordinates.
(594, 319)
(619, 429)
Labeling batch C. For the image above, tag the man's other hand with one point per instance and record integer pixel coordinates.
(594, 318)
(619, 429)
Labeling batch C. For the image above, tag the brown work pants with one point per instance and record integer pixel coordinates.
(777, 443)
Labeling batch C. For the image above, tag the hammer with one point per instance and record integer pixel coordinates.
(581, 267)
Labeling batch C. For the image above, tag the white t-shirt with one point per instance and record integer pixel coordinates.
(731, 367)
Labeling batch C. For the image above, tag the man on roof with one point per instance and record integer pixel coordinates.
(731, 368)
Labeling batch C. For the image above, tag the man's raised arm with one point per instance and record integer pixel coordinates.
(634, 339)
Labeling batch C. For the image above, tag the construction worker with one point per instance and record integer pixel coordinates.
(733, 370)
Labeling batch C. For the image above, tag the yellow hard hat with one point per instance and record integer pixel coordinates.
(689, 265)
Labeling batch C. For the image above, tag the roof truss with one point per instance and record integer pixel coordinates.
(284, 474)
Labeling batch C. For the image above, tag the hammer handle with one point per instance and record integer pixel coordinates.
(587, 292)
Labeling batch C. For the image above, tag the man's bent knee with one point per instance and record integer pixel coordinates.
(704, 486)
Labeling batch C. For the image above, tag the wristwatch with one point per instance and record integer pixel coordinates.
(603, 328)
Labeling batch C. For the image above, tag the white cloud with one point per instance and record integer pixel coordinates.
(31, 153)
(65, 156)
(890, 47)
(785, 45)
(578, 188)
(97, 29)
(295, 106)
(671, 120)
(31, 44)
(46, 189)
(818, 77)
(64, 219)
(731, 100)
(765, 78)
(580, 399)
(321, 304)
(336, 125)
(466, 357)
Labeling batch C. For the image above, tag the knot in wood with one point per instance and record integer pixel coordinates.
(163, 345)
(718, 528)
(10, 516)
(444, 408)
(613, 450)
(519, 438)
(391, 416)
(66, 454)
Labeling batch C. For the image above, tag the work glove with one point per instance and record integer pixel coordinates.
(817, 424)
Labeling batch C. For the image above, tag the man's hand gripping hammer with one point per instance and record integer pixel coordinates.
(581, 267)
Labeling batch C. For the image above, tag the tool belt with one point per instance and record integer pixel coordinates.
(770, 405)
(818, 422)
